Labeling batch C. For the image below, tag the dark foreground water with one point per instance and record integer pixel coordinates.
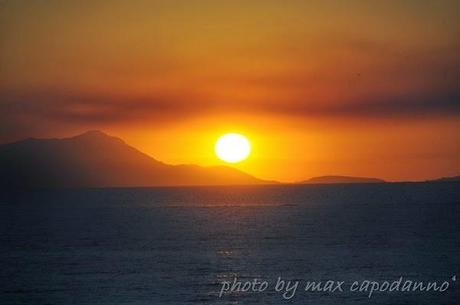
(179, 245)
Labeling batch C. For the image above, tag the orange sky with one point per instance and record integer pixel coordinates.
(368, 88)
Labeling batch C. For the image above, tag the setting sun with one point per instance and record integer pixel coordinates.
(232, 147)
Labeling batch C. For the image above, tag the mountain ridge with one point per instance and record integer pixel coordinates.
(337, 179)
(95, 159)
(446, 179)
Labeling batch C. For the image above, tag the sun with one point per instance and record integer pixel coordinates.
(232, 147)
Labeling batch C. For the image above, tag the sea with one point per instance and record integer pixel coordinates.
(357, 244)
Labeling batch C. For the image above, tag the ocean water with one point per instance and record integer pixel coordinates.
(180, 245)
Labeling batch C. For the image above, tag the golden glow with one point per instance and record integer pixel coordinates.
(232, 148)
(319, 88)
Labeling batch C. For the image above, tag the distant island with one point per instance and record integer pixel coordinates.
(95, 159)
(341, 179)
(350, 179)
(446, 179)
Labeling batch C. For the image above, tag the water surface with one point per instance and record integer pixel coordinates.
(177, 245)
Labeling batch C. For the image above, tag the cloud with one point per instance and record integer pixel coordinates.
(25, 113)
(82, 108)
(352, 79)
(390, 107)
(71, 106)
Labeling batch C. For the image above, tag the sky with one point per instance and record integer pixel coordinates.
(360, 88)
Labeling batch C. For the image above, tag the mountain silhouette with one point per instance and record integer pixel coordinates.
(95, 159)
(342, 179)
(446, 179)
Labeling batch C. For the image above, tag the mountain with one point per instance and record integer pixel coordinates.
(446, 179)
(341, 179)
(94, 159)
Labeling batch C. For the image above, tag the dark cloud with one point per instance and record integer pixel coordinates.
(373, 107)
(27, 113)
(26, 110)
(70, 106)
